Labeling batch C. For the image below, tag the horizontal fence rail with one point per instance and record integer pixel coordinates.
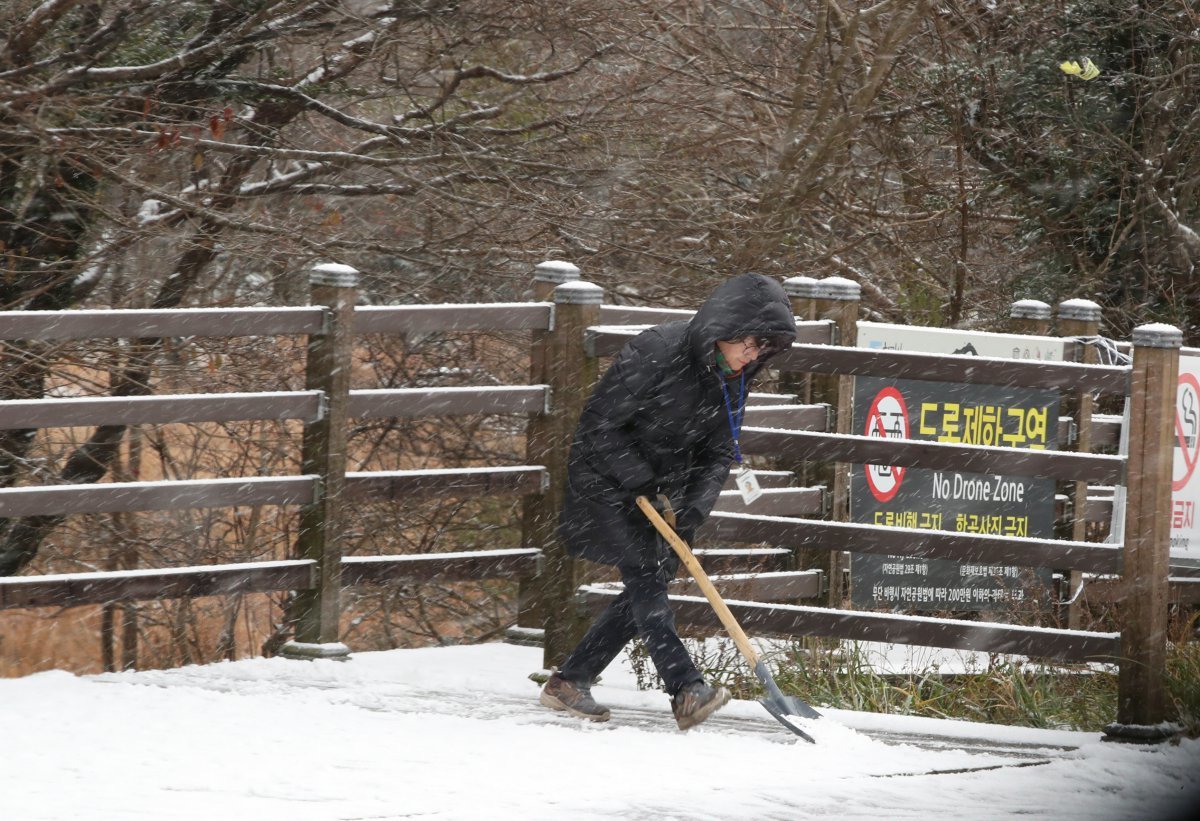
(766, 479)
(410, 402)
(249, 491)
(151, 323)
(792, 417)
(756, 400)
(790, 501)
(489, 316)
(774, 586)
(601, 340)
(635, 315)
(778, 586)
(158, 410)
(1106, 431)
(125, 497)
(231, 322)
(1181, 590)
(1097, 509)
(815, 446)
(813, 353)
(421, 484)
(517, 563)
(975, 370)
(278, 405)
(76, 589)
(726, 560)
(1092, 557)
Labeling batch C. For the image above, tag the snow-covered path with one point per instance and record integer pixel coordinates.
(456, 733)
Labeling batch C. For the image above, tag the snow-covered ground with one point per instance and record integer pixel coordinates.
(456, 733)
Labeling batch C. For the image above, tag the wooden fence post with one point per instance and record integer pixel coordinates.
(802, 292)
(1079, 318)
(537, 518)
(1033, 317)
(837, 298)
(1141, 690)
(572, 375)
(317, 611)
(1030, 316)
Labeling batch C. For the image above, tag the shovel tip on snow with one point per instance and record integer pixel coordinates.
(788, 719)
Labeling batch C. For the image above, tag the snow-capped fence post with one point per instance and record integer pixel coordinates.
(1141, 695)
(572, 373)
(316, 612)
(537, 519)
(802, 294)
(1030, 316)
(837, 299)
(1079, 318)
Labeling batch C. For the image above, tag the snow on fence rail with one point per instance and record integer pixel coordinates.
(845, 447)
(571, 330)
(73, 589)
(303, 405)
(252, 491)
(1091, 557)
(137, 323)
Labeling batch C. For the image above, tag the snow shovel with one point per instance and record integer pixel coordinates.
(784, 708)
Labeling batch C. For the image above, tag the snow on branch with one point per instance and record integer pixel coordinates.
(1185, 234)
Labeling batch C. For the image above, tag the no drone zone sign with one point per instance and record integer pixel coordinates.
(887, 418)
(913, 497)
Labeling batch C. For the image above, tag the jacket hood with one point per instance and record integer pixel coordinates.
(746, 305)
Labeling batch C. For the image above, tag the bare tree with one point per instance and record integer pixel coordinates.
(209, 131)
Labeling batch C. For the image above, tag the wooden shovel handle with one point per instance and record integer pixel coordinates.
(710, 592)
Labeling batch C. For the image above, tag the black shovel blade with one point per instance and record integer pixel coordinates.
(787, 715)
(789, 704)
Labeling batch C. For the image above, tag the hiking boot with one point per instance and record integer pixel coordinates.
(696, 702)
(576, 699)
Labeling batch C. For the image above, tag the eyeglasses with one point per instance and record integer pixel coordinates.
(751, 343)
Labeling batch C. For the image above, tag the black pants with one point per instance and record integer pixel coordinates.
(641, 610)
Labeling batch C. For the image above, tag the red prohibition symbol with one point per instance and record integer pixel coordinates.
(887, 419)
(1187, 430)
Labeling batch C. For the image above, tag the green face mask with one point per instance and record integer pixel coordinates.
(724, 366)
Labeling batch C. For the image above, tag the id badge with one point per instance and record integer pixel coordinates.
(747, 484)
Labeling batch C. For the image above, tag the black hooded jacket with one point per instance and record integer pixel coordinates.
(657, 423)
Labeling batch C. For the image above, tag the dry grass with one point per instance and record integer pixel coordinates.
(170, 634)
(43, 639)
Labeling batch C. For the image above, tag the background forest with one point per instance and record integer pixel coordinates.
(160, 154)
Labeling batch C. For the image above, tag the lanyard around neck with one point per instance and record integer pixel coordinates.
(735, 419)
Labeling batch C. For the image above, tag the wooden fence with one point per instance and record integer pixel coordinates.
(571, 331)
